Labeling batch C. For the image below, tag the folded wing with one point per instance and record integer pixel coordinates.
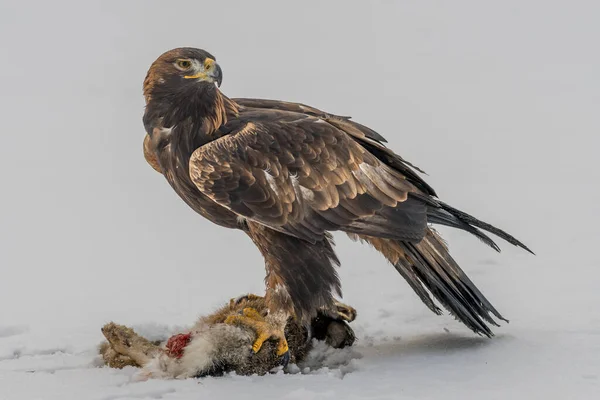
(303, 175)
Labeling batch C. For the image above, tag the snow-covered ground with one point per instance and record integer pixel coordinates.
(498, 103)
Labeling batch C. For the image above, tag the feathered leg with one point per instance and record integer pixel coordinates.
(301, 279)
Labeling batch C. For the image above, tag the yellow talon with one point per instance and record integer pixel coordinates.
(263, 328)
(282, 347)
(259, 341)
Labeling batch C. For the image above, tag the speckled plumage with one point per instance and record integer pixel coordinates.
(287, 174)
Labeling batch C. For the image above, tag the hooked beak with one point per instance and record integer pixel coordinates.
(216, 74)
(211, 72)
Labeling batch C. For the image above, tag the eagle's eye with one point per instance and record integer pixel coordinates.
(183, 64)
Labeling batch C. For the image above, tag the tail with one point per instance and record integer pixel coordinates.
(431, 271)
(441, 213)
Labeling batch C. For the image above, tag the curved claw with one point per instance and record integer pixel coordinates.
(285, 359)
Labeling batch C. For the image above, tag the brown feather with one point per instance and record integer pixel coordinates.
(287, 174)
(327, 166)
(150, 156)
(430, 270)
(301, 277)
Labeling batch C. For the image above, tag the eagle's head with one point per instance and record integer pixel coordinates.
(182, 70)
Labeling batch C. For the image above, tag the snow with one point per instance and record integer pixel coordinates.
(497, 102)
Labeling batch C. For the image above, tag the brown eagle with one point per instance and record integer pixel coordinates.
(288, 174)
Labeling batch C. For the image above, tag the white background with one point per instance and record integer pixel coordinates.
(498, 102)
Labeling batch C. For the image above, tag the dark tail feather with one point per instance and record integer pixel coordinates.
(442, 217)
(468, 219)
(443, 214)
(428, 265)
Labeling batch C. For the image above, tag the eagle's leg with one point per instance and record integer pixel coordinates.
(267, 327)
(301, 276)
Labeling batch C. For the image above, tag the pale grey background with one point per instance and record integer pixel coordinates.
(498, 102)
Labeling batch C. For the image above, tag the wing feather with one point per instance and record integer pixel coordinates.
(342, 122)
(297, 174)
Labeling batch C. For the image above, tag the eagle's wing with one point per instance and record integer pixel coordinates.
(370, 139)
(302, 175)
(358, 129)
(366, 136)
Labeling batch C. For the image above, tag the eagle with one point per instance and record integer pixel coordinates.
(288, 175)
